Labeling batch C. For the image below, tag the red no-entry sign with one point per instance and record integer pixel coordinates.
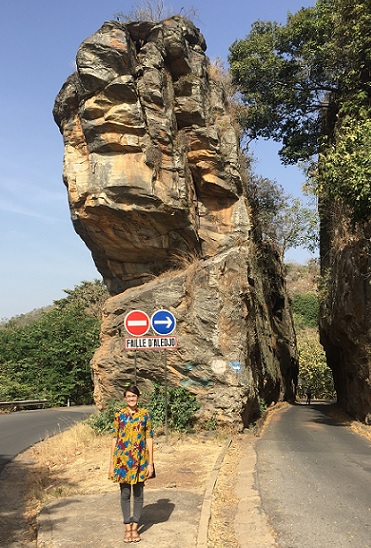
(137, 323)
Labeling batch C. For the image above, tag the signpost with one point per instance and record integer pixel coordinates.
(163, 323)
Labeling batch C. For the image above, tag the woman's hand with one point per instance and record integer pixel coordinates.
(111, 469)
(149, 472)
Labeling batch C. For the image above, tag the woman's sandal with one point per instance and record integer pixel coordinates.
(135, 536)
(128, 535)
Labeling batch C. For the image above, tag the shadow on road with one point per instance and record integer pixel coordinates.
(157, 512)
(328, 413)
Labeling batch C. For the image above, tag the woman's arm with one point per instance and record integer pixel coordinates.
(149, 442)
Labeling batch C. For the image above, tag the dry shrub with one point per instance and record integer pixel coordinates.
(183, 260)
(217, 72)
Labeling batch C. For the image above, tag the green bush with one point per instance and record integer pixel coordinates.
(48, 356)
(182, 406)
(305, 307)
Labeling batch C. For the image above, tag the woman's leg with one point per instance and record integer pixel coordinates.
(138, 505)
(125, 489)
(138, 501)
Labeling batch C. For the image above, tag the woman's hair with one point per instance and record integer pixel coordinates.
(133, 389)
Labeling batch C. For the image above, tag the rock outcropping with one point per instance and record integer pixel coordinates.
(345, 322)
(152, 167)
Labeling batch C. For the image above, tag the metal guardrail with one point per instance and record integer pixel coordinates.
(23, 404)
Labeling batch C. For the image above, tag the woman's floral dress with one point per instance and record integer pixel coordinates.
(130, 457)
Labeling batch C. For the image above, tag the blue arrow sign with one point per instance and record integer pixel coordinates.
(235, 366)
(163, 322)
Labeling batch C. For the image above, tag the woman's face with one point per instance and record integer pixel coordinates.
(131, 399)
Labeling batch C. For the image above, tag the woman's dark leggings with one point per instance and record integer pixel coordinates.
(125, 501)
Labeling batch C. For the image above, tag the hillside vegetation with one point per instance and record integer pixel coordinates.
(313, 370)
(46, 354)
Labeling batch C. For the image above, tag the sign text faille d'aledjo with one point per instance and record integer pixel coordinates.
(150, 343)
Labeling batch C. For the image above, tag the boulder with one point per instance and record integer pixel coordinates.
(157, 193)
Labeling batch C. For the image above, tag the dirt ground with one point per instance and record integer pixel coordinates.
(76, 462)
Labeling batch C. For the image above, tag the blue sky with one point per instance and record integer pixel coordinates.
(40, 253)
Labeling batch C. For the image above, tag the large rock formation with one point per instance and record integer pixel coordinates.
(152, 168)
(345, 321)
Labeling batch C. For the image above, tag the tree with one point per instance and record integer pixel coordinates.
(89, 297)
(307, 85)
(280, 217)
(297, 78)
(50, 357)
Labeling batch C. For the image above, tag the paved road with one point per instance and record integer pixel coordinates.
(314, 478)
(21, 429)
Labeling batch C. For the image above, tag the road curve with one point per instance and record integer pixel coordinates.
(22, 429)
(314, 479)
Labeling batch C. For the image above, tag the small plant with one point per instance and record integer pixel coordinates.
(103, 421)
(212, 423)
(182, 406)
(262, 406)
(182, 259)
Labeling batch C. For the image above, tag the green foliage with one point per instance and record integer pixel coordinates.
(88, 297)
(50, 357)
(262, 406)
(182, 406)
(314, 371)
(103, 421)
(282, 81)
(345, 167)
(295, 77)
(212, 423)
(305, 307)
(307, 84)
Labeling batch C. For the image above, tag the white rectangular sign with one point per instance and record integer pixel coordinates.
(150, 343)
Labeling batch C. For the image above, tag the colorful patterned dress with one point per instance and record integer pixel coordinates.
(130, 456)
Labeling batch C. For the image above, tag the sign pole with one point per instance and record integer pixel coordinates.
(166, 399)
(135, 368)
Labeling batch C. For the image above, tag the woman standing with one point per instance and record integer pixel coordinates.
(132, 458)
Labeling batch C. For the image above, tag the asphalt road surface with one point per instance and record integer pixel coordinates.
(22, 429)
(314, 478)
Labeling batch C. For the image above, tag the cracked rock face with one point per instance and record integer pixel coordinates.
(345, 320)
(151, 164)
